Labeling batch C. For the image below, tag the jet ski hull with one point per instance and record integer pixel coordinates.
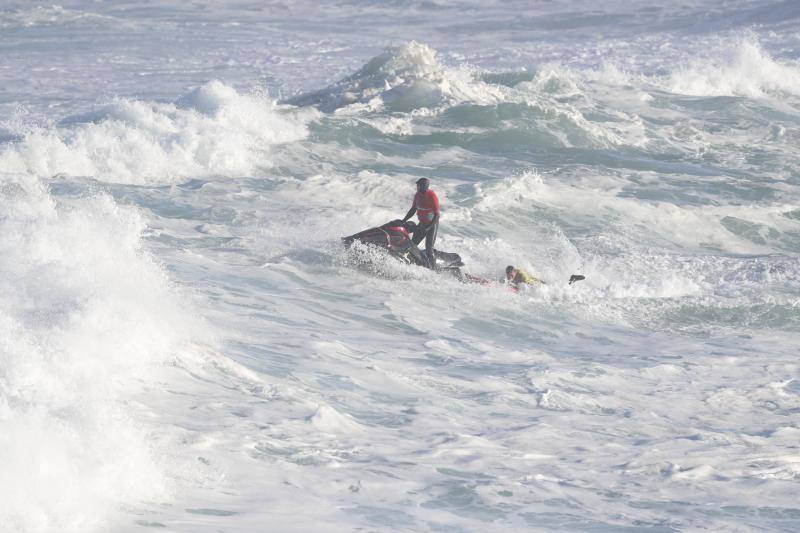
(395, 238)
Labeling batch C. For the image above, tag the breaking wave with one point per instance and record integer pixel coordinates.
(743, 69)
(407, 93)
(87, 321)
(210, 131)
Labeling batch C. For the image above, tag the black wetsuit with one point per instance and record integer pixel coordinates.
(427, 232)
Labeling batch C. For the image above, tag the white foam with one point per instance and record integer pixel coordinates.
(742, 69)
(410, 79)
(86, 318)
(212, 130)
(404, 77)
(658, 388)
(681, 224)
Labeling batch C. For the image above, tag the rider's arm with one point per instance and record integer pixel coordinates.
(410, 213)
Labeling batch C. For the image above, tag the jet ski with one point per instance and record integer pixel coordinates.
(395, 238)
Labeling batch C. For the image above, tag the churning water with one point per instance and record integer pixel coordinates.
(184, 345)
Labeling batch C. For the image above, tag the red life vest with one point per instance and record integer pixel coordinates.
(427, 204)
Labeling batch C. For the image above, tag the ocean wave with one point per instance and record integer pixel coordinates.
(402, 78)
(213, 130)
(87, 318)
(743, 68)
(408, 95)
(734, 228)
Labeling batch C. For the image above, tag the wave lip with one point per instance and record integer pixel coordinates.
(402, 78)
(744, 70)
(407, 94)
(213, 130)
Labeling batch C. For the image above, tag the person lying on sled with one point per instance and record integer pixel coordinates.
(518, 277)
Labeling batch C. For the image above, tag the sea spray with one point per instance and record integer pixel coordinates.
(87, 318)
(212, 130)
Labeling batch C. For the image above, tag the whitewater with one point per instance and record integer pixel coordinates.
(186, 346)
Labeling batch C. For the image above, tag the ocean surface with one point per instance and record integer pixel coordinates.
(185, 346)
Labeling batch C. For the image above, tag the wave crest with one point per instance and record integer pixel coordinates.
(213, 130)
(86, 319)
(744, 69)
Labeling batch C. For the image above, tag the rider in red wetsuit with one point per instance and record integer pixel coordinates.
(426, 206)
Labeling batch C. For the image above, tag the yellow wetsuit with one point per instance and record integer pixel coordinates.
(524, 277)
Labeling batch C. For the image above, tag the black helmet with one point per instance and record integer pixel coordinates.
(509, 269)
(423, 184)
